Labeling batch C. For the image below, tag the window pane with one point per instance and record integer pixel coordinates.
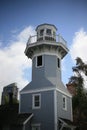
(58, 62)
(48, 31)
(37, 104)
(37, 100)
(64, 103)
(39, 60)
(41, 32)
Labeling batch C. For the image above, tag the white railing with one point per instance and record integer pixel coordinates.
(32, 39)
(37, 38)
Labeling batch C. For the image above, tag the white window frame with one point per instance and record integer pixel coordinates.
(36, 125)
(36, 61)
(33, 101)
(64, 104)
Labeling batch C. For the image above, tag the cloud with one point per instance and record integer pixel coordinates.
(13, 61)
(79, 45)
(79, 48)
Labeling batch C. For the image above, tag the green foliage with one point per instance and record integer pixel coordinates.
(15, 101)
(6, 99)
(79, 100)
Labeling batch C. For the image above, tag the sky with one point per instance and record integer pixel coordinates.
(18, 20)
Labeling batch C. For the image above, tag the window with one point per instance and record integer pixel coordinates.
(36, 127)
(41, 32)
(39, 61)
(48, 31)
(36, 101)
(58, 62)
(54, 33)
(64, 102)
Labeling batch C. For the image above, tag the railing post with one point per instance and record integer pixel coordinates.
(44, 36)
(28, 42)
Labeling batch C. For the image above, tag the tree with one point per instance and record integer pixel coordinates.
(79, 100)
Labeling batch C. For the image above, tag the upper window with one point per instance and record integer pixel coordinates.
(48, 31)
(36, 101)
(41, 32)
(39, 61)
(64, 102)
(58, 62)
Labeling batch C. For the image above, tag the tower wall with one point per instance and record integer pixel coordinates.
(43, 116)
(49, 69)
(52, 99)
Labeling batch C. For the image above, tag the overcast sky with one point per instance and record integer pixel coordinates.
(18, 20)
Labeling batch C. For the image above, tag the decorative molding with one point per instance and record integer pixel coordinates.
(45, 89)
(46, 53)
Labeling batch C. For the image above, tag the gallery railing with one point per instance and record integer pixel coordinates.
(45, 37)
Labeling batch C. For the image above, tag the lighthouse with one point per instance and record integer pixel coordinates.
(46, 96)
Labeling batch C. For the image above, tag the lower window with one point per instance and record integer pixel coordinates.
(36, 127)
(36, 101)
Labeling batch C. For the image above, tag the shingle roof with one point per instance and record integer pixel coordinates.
(21, 118)
(44, 83)
(68, 123)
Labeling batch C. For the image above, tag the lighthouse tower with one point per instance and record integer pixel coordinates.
(46, 96)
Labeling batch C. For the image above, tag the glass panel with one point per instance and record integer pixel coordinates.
(37, 101)
(37, 98)
(37, 104)
(48, 31)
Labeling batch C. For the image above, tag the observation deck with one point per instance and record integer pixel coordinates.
(46, 39)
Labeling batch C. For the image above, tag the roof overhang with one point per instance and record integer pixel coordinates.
(66, 123)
